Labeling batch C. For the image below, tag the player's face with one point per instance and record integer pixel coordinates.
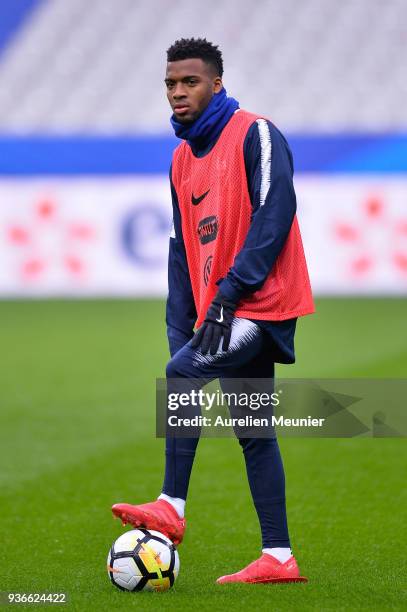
(190, 86)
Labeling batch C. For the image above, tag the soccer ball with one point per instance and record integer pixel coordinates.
(143, 560)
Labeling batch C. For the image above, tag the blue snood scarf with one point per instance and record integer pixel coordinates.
(201, 132)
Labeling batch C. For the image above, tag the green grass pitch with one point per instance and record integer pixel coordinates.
(77, 434)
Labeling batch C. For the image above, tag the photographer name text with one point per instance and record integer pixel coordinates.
(247, 421)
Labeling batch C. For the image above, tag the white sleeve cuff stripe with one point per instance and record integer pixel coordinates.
(265, 144)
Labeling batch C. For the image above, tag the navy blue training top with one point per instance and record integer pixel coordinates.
(267, 156)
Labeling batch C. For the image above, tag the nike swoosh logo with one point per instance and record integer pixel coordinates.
(195, 201)
(220, 320)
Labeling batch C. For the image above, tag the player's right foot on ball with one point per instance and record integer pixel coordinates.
(158, 515)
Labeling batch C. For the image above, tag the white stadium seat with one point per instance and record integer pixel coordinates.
(98, 67)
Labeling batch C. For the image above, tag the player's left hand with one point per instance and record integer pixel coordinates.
(217, 325)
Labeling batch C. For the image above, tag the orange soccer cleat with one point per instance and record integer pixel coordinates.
(266, 569)
(158, 515)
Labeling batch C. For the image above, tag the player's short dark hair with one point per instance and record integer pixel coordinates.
(192, 48)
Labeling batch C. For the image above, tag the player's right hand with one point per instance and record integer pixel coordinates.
(216, 326)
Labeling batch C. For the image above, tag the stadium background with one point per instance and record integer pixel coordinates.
(85, 147)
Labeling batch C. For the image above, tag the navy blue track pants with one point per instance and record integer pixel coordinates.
(247, 357)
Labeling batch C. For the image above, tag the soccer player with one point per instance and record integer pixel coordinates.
(237, 274)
